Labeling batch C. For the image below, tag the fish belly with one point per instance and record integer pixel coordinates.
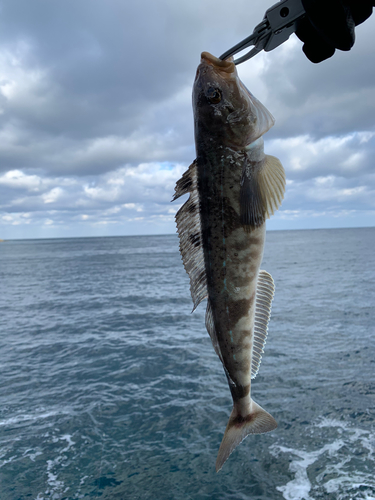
(232, 294)
(232, 260)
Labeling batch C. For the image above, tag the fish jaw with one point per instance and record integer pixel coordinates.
(226, 67)
(224, 108)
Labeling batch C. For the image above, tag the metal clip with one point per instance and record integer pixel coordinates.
(279, 22)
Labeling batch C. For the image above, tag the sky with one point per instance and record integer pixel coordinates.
(96, 123)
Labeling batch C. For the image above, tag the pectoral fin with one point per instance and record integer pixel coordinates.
(252, 202)
(262, 191)
(272, 184)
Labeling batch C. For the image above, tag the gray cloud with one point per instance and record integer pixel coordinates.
(96, 122)
(351, 156)
(332, 98)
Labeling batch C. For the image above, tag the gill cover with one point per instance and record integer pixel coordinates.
(224, 107)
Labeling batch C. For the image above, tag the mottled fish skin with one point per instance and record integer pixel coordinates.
(232, 258)
(234, 187)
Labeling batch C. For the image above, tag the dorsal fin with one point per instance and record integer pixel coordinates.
(190, 233)
(186, 184)
(262, 191)
(264, 296)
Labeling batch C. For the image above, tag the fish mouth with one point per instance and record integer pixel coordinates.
(226, 66)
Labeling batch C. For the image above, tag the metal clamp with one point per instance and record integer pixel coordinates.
(279, 22)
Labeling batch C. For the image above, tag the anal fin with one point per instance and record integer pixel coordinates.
(210, 326)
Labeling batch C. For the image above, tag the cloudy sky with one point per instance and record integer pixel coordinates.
(96, 122)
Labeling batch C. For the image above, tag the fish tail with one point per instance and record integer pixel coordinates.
(257, 421)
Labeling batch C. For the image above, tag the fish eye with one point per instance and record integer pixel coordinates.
(213, 95)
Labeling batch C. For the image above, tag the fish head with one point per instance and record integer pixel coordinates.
(224, 108)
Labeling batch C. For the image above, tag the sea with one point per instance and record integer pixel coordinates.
(110, 387)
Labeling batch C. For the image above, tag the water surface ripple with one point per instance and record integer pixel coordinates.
(110, 387)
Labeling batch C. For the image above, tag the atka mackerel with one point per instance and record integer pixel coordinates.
(233, 188)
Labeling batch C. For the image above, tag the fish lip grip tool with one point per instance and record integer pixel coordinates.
(279, 22)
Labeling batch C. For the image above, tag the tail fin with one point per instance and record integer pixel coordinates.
(257, 421)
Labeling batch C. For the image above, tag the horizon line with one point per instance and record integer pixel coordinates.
(175, 233)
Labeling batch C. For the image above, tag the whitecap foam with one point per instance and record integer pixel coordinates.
(55, 485)
(347, 475)
(299, 488)
(27, 416)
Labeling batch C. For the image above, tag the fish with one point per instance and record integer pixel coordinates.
(234, 187)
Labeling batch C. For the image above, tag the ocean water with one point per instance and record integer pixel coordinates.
(110, 387)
